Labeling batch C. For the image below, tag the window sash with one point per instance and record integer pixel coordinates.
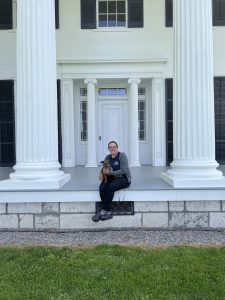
(111, 18)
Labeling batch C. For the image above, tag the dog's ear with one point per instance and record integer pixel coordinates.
(101, 162)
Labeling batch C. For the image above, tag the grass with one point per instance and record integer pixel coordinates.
(112, 272)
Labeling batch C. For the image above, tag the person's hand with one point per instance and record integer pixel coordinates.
(105, 171)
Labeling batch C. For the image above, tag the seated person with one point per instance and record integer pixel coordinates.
(118, 177)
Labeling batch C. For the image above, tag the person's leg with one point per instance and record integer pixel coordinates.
(116, 185)
(102, 190)
(103, 214)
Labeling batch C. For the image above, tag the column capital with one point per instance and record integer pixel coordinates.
(90, 80)
(134, 80)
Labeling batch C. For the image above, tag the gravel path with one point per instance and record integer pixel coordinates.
(129, 237)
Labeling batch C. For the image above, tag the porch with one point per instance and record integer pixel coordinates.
(146, 185)
(156, 204)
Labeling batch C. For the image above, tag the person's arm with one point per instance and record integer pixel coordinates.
(123, 166)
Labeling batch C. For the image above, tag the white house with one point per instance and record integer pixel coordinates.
(149, 74)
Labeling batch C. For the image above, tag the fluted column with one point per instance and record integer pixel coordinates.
(134, 159)
(36, 116)
(194, 162)
(91, 107)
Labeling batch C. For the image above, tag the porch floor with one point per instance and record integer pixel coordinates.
(86, 179)
(146, 185)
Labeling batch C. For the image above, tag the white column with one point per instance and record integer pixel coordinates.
(134, 159)
(194, 162)
(91, 107)
(37, 164)
(158, 122)
(67, 117)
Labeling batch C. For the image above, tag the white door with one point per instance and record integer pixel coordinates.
(112, 125)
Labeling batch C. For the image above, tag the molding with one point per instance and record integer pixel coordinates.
(111, 75)
(114, 61)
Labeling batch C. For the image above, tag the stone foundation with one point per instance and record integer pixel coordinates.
(77, 216)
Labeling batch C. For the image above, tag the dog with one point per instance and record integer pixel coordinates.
(106, 166)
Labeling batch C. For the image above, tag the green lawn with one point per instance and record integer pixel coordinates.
(112, 272)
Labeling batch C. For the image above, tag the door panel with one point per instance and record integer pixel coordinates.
(112, 125)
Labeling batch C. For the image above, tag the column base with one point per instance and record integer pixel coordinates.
(46, 184)
(35, 176)
(194, 174)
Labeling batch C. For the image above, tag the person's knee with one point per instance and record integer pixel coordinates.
(113, 186)
(102, 187)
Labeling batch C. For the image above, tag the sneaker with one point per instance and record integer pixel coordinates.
(107, 216)
(99, 215)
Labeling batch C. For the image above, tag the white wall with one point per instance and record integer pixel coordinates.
(152, 41)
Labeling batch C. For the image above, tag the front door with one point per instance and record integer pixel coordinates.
(112, 125)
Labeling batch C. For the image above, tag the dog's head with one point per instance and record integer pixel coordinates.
(106, 164)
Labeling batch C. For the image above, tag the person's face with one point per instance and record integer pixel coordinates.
(113, 149)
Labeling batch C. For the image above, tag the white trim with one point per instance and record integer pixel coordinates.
(93, 196)
(67, 121)
(163, 60)
(158, 122)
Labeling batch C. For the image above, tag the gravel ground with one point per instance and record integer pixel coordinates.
(128, 237)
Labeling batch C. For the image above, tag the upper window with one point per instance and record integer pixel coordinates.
(111, 13)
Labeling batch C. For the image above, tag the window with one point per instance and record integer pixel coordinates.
(169, 119)
(218, 12)
(219, 104)
(111, 13)
(7, 124)
(57, 14)
(169, 13)
(83, 114)
(112, 91)
(6, 16)
(142, 109)
(59, 121)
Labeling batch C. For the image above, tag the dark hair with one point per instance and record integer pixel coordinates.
(112, 142)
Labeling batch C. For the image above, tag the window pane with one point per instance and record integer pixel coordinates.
(111, 7)
(112, 91)
(141, 105)
(103, 92)
(141, 135)
(142, 115)
(102, 7)
(121, 20)
(141, 91)
(121, 6)
(102, 20)
(122, 91)
(112, 21)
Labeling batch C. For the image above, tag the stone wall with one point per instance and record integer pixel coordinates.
(77, 215)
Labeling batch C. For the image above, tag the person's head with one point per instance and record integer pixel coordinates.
(113, 148)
